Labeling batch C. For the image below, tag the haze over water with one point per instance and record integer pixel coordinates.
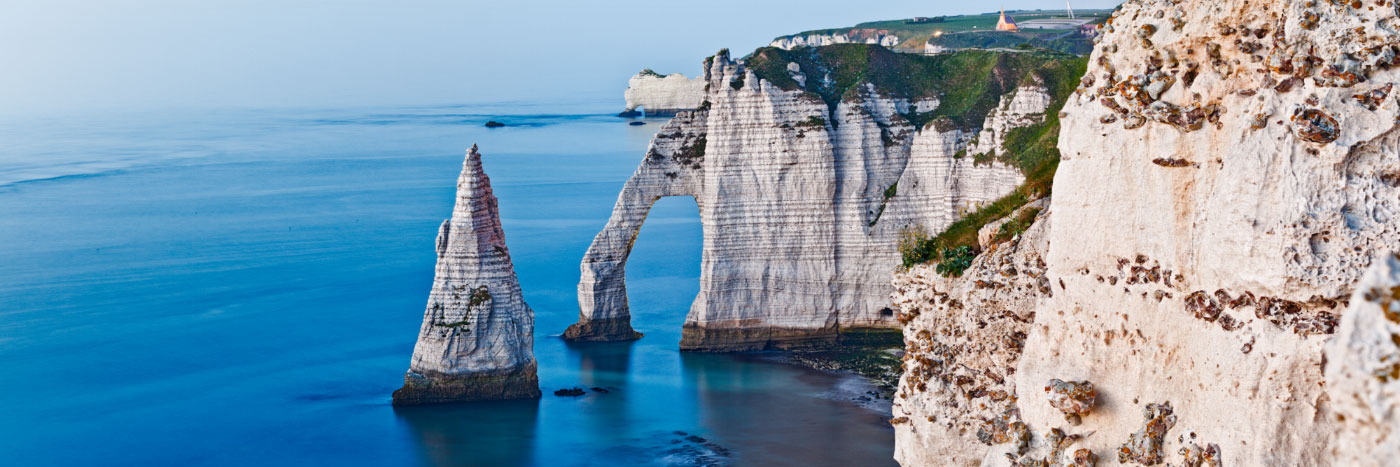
(245, 287)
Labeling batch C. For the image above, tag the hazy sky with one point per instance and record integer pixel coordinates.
(97, 55)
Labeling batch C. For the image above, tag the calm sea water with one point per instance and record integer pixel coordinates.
(245, 288)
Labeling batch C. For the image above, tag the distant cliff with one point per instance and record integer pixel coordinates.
(853, 36)
(806, 167)
(659, 95)
(1215, 262)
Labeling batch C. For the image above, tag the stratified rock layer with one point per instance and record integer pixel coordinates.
(801, 213)
(1229, 171)
(477, 339)
(663, 95)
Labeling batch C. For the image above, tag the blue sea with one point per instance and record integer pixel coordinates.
(244, 287)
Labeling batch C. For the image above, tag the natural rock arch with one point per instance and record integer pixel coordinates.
(602, 290)
(801, 204)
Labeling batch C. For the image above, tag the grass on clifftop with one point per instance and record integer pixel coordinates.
(913, 35)
(1033, 149)
(968, 84)
(1073, 43)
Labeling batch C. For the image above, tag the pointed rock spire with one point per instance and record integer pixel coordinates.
(477, 339)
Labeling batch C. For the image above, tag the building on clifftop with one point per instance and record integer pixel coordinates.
(1006, 23)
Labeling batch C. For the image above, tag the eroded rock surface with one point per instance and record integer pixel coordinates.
(801, 202)
(477, 339)
(963, 339)
(1229, 170)
(1363, 370)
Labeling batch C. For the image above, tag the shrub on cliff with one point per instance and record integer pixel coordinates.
(1015, 226)
(955, 261)
(959, 234)
(1034, 149)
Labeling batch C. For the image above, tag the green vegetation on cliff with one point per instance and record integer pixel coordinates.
(1034, 149)
(967, 84)
(1067, 43)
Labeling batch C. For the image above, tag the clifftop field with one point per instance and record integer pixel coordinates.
(914, 34)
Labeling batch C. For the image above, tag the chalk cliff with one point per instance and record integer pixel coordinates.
(1363, 370)
(854, 36)
(477, 339)
(1229, 171)
(804, 183)
(963, 339)
(661, 95)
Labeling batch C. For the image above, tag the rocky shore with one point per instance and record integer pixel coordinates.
(875, 355)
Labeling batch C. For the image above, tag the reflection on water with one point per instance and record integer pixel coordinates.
(752, 404)
(601, 364)
(478, 433)
(723, 410)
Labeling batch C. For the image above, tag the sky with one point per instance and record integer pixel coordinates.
(60, 56)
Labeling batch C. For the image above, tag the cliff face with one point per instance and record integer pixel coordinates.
(663, 95)
(477, 339)
(801, 201)
(855, 36)
(1363, 370)
(963, 339)
(1229, 171)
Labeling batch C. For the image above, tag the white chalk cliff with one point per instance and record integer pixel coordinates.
(799, 206)
(963, 338)
(855, 36)
(1230, 169)
(1363, 371)
(477, 339)
(663, 95)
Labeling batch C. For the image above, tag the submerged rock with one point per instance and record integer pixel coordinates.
(477, 339)
(569, 392)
